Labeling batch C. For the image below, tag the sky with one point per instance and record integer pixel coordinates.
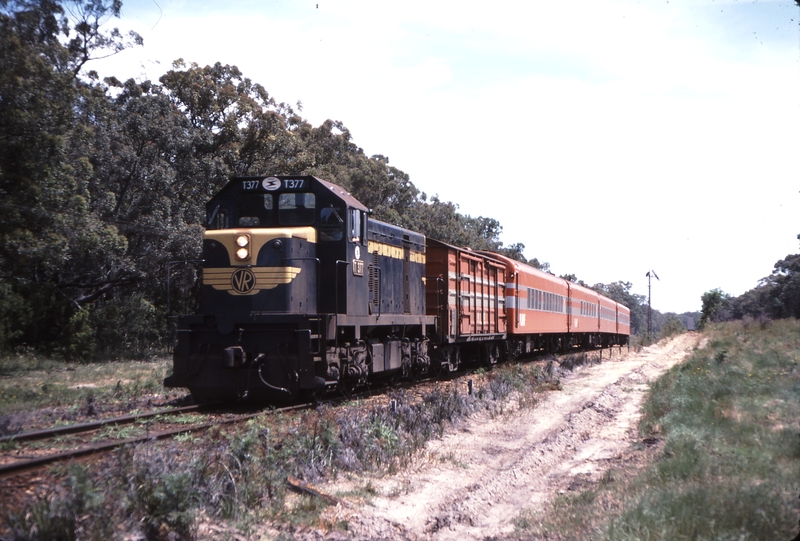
(610, 137)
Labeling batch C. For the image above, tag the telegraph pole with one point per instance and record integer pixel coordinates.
(649, 307)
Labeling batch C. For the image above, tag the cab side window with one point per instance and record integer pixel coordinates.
(358, 226)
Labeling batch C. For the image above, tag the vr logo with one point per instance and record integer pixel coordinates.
(243, 281)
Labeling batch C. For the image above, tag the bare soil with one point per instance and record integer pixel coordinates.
(474, 482)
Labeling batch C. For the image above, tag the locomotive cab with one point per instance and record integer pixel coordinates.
(272, 244)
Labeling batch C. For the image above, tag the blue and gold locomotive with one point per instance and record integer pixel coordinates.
(301, 291)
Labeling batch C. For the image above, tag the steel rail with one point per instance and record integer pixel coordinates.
(18, 467)
(89, 427)
(22, 466)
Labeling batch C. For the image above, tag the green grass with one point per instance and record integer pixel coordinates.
(729, 466)
(29, 382)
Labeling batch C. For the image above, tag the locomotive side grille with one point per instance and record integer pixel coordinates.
(375, 283)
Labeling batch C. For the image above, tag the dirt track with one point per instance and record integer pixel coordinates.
(473, 483)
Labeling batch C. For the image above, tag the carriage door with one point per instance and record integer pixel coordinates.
(406, 275)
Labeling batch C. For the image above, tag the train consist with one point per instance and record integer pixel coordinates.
(303, 292)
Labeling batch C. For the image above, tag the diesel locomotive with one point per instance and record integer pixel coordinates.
(302, 292)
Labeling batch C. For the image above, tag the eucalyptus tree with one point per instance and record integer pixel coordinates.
(777, 295)
(48, 232)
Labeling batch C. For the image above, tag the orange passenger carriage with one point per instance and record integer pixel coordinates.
(535, 300)
(584, 314)
(608, 316)
(548, 313)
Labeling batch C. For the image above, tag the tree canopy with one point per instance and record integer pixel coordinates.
(103, 182)
(776, 296)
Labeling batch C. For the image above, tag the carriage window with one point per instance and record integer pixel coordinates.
(331, 224)
(296, 208)
(254, 210)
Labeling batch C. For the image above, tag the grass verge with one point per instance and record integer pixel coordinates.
(76, 390)
(727, 460)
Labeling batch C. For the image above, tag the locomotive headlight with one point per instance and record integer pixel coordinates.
(243, 242)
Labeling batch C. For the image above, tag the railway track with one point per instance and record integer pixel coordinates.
(31, 464)
(84, 428)
(27, 465)
(39, 462)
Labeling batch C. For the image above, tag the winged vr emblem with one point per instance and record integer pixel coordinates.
(243, 281)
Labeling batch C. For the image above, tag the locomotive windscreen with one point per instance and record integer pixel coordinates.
(296, 208)
(254, 210)
(259, 210)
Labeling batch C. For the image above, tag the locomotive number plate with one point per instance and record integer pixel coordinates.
(358, 267)
(294, 183)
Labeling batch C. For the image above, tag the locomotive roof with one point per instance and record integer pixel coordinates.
(345, 196)
(234, 186)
